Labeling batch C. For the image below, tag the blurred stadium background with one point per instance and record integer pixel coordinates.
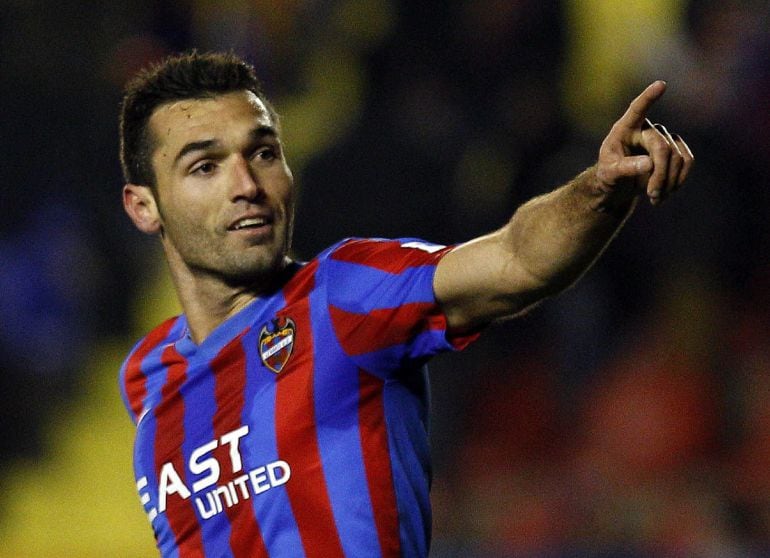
(629, 417)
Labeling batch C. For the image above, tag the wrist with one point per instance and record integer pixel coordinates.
(613, 199)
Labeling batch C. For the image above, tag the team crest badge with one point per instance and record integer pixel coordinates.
(276, 342)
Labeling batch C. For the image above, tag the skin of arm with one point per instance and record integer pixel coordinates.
(553, 239)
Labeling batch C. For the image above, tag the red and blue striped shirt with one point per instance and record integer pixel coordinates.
(299, 426)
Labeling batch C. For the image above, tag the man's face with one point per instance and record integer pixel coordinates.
(223, 189)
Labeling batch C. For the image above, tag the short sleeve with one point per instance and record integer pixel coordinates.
(382, 305)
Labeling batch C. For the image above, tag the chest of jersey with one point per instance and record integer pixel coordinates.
(248, 434)
(297, 428)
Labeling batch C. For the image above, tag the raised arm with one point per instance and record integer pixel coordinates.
(553, 239)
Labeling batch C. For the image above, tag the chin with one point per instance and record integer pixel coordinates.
(260, 270)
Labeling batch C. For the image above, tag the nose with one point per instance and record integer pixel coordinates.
(245, 182)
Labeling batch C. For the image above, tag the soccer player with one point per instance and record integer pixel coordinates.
(283, 414)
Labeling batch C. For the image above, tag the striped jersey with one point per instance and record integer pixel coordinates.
(299, 426)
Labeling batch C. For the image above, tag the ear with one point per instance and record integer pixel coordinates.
(139, 202)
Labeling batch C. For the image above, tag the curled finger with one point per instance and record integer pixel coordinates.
(675, 162)
(687, 159)
(656, 144)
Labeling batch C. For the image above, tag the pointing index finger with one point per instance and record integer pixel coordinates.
(634, 116)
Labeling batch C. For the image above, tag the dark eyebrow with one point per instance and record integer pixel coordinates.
(262, 131)
(256, 134)
(194, 146)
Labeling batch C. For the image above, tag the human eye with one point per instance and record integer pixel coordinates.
(203, 168)
(267, 154)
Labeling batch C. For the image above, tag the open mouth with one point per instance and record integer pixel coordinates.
(250, 223)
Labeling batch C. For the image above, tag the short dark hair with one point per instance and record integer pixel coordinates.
(189, 75)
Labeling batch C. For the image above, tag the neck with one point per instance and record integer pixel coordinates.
(208, 300)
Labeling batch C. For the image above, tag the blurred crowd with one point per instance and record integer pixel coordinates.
(628, 417)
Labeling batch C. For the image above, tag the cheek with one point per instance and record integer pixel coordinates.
(193, 201)
(186, 216)
(287, 190)
(289, 198)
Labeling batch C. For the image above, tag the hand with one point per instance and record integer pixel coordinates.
(641, 154)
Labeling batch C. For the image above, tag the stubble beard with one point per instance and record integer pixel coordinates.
(255, 268)
(207, 255)
(256, 273)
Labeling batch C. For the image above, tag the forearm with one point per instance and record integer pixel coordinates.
(546, 246)
(555, 238)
